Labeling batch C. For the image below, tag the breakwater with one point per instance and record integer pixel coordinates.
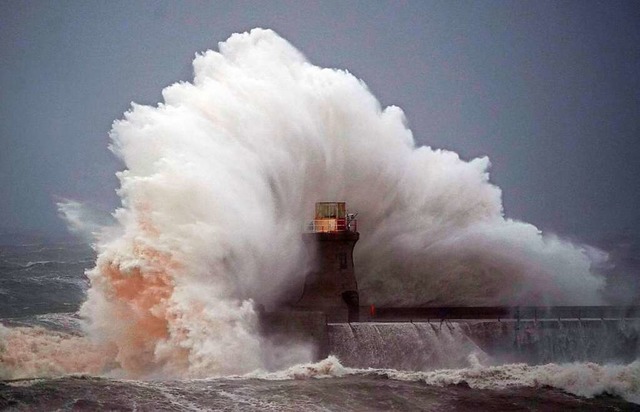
(430, 338)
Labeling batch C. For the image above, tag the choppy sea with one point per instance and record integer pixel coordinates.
(42, 285)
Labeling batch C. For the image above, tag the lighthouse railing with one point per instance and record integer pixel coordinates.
(332, 225)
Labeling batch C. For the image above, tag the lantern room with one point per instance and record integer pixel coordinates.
(332, 217)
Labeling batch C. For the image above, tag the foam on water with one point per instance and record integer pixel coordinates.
(582, 379)
(28, 352)
(62, 322)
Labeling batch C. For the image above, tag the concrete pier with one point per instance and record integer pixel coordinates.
(402, 337)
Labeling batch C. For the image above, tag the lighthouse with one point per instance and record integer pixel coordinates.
(331, 285)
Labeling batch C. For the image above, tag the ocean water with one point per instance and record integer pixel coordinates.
(42, 286)
(41, 278)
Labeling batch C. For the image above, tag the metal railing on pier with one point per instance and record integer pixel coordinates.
(388, 314)
(332, 225)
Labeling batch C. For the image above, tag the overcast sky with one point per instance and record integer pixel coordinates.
(550, 91)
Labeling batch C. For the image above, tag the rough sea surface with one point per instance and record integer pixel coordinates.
(43, 284)
(364, 392)
(39, 278)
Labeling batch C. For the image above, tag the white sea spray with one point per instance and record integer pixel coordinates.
(220, 179)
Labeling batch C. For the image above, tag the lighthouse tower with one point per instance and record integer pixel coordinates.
(331, 286)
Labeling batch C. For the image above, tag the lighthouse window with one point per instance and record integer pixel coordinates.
(342, 258)
(330, 210)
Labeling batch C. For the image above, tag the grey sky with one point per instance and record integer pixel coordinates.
(550, 91)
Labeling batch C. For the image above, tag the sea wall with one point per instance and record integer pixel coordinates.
(433, 345)
(569, 340)
(424, 345)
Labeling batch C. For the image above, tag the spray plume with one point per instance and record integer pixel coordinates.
(82, 220)
(221, 177)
